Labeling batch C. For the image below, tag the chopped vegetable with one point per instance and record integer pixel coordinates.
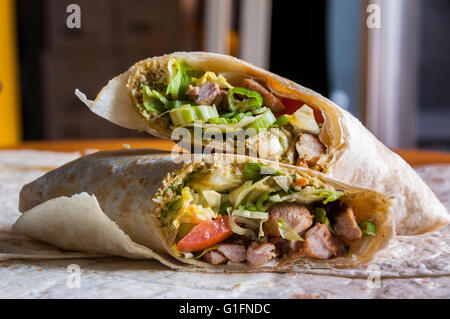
(310, 194)
(282, 121)
(206, 234)
(191, 213)
(242, 231)
(253, 171)
(250, 214)
(212, 77)
(239, 194)
(321, 217)
(303, 121)
(223, 208)
(287, 232)
(368, 228)
(182, 115)
(171, 104)
(254, 219)
(284, 182)
(151, 102)
(212, 198)
(186, 114)
(260, 202)
(255, 100)
(294, 105)
(206, 250)
(222, 178)
(262, 122)
(171, 210)
(179, 78)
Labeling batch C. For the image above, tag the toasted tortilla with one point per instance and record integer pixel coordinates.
(102, 203)
(354, 155)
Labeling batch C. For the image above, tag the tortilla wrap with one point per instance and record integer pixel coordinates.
(353, 155)
(111, 210)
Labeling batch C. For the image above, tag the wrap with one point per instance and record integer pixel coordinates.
(352, 153)
(102, 203)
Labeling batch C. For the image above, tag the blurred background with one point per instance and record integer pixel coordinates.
(385, 61)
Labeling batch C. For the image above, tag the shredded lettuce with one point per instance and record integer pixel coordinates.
(260, 206)
(239, 194)
(308, 195)
(153, 101)
(206, 250)
(179, 78)
(254, 219)
(287, 232)
(284, 182)
(240, 230)
(253, 171)
(250, 214)
(212, 198)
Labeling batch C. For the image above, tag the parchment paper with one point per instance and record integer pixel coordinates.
(413, 267)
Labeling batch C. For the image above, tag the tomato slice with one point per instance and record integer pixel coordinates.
(294, 105)
(205, 234)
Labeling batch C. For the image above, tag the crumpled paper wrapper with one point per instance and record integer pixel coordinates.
(412, 267)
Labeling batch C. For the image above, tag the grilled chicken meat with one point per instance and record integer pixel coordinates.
(320, 243)
(345, 224)
(309, 148)
(233, 252)
(258, 254)
(296, 216)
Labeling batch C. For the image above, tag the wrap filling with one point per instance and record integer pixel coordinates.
(275, 128)
(252, 213)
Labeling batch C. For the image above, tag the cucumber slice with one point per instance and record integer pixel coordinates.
(205, 112)
(183, 115)
(262, 122)
(186, 114)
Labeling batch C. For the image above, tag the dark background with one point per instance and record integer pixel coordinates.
(54, 60)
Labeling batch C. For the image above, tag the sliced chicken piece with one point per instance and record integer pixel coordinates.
(208, 93)
(270, 100)
(309, 148)
(260, 254)
(320, 243)
(296, 216)
(233, 252)
(214, 257)
(192, 90)
(221, 101)
(345, 224)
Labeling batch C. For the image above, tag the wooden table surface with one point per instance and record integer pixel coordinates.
(413, 157)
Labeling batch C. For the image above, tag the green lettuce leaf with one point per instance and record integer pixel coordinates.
(179, 78)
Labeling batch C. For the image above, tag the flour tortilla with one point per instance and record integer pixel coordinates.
(354, 155)
(102, 204)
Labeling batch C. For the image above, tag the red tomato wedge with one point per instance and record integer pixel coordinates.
(294, 105)
(205, 234)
